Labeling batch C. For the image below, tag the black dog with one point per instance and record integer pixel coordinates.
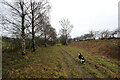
(81, 58)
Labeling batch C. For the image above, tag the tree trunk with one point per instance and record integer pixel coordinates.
(33, 40)
(45, 40)
(33, 33)
(51, 42)
(66, 43)
(23, 34)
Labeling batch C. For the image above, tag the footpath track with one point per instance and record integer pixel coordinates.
(76, 65)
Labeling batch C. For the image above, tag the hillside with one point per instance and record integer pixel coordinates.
(61, 62)
(103, 48)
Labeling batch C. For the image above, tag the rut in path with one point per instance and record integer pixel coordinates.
(69, 75)
(85, 74)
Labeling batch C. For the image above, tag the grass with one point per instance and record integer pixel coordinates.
(51, 63)
(44, 63)
(105, 69)
(72, 69)
(31, 62)
(59, 66)
(106, 48)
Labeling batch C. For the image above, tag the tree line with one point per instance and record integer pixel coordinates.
(28, 20)
(29, 23)
(92, 35)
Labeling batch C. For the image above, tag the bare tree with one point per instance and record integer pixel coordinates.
(66, 29)
(104, 34)
(38, 10)
(45, 28)
(92, 34)
(16, 23)
(86, 36)
(97, 34)
(112, 34)
(52, 35)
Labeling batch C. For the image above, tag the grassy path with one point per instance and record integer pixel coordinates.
(69, 75)
(48, 62)
(80, 71)
(55, 62)
(95, 65)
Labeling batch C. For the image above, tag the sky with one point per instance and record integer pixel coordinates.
(85, 15)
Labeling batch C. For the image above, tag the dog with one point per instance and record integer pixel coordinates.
(80, 56)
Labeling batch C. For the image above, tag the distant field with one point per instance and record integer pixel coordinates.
(60, 62)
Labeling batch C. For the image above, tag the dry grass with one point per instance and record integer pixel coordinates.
(98, 67)
(99, 63)
(51, 63)
(103, 48)
(44, 63)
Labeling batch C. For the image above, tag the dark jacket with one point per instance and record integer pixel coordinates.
(80, 56)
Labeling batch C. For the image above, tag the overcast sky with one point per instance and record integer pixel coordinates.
(85, 15)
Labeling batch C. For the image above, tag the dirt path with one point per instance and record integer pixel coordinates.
(69, 75)
(84, 73)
